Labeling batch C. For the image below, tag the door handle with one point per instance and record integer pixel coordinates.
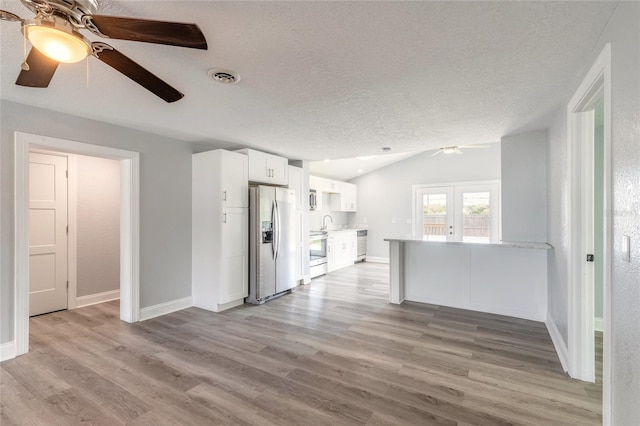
(224, 195)
(225, 218)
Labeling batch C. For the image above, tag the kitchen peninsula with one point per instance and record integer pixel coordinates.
(508, 278)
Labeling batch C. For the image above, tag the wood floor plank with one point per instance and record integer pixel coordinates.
(335, 352)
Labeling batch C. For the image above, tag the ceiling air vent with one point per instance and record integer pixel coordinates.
(224, 76)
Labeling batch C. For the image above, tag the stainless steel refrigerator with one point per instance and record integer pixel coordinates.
(272, 243)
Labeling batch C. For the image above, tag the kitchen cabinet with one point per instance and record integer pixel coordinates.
(341, 249)
(267, 168)
(345, 199)
(296, 183)
(219, 230)
(342, 196)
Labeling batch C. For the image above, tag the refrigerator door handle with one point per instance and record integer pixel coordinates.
(276, 235)
(273, 230)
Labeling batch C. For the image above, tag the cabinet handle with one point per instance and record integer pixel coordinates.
(224, 195)
(225, 218)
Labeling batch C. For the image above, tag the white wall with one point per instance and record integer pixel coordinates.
(524, 196)
(385, 195)
(98, 225)
(623, 32)
(165, 201)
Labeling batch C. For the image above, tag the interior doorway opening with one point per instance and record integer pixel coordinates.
(128, 162)
(587, 236)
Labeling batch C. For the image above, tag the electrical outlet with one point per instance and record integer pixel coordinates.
(393, 220)
(364, 220)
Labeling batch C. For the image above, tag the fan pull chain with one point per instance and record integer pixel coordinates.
(25, 65)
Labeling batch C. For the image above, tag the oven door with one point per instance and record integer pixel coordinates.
(318, 249)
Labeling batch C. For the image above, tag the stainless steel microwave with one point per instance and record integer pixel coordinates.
(313, 199)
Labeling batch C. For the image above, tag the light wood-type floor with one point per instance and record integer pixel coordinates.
(334, 353)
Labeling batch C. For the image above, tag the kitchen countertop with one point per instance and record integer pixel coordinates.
(503, 244)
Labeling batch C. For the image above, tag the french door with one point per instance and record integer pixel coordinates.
(464, 212)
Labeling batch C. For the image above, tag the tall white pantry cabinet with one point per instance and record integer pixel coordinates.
(220, 217)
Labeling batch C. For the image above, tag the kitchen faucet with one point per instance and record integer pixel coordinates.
(324, 226)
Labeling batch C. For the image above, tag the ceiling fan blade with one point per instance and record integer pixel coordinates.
(146, 30)
(135, 72)
(40, 72)
(8, 16)
(458, 151)
(436, 153)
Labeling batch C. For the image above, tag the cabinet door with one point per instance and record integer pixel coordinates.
(278, 170)
(349, 197)
(234, 179)
(258, 169)
(331, 254)
(353, 243)
(296, 176)
(235, 260)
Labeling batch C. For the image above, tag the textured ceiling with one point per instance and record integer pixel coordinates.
(335, 79)
(348, 168)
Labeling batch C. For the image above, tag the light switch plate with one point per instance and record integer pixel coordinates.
(626, 248)
(393, 220)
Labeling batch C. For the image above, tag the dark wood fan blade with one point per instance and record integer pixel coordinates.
(41, 70)
(135, 72)
(146, 30)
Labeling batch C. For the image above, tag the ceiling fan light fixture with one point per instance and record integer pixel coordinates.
(56, 41)
(449, 149)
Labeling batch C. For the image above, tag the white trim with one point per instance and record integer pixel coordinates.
(72, 236)
(8, 350)
(558, 342)
(374, 259)
(129, 225)
(598, 324)
(596, 85)
(165, 308)
(94, 299)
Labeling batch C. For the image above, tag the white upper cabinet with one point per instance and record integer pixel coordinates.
(267, 168)
(343, 196)
(296, 182)
(234, 179)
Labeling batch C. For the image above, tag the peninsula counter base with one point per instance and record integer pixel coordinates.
(505, 279)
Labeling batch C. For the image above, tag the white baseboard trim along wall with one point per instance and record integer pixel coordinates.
(165, 308)
(374, 259)
(93, 299)
(558, 342)
(8, 350)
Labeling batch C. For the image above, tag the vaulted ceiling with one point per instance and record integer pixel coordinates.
(334, 79)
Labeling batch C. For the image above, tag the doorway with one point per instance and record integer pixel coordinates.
(586, 187)
(129, 225)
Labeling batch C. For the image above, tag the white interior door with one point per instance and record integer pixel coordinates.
(435, 214)
(47, 233)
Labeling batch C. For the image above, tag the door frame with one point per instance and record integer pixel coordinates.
(456, 186)
(129, 225)
(595, 86)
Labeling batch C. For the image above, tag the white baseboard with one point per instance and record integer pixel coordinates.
(374, 259)
(598, 324)
(94, 299)
(8, 350)
(558, 343)
(165, 308)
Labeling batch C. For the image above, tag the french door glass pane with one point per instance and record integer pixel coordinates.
(434, 219)
(476, 217)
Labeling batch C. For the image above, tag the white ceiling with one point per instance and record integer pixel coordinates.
(348, 168)
(334, 79)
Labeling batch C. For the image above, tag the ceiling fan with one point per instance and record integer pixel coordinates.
(456, 149)
(54, 34)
